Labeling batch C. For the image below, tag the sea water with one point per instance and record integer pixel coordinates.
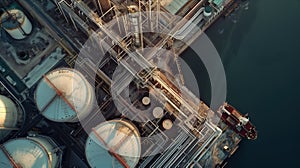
(259, 46)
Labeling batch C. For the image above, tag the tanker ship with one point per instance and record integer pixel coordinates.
(238, 122)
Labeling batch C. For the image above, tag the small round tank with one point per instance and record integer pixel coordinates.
(64, 95)
(16, 24)
(207, 11)
(167, 124)
(10, 116)
(158, 112)
(119, 136)
(146, 100)
(30, 152)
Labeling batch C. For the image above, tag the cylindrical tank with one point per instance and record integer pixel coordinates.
(10, 116)
(30, 152)
(167, 124)
(64, 95)
(16, 24)
(146, 100)
(158, 112)
(118, 136)
(207, 11)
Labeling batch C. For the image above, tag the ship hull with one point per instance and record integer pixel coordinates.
(238, 122)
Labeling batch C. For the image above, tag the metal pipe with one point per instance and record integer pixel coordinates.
(14, 164)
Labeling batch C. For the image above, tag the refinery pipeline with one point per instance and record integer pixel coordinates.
(80, 86)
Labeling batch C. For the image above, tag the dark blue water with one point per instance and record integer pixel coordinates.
(260, 49)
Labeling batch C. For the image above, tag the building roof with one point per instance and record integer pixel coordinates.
(218, 2)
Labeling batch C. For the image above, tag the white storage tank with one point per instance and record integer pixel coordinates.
(64, 95)
(207, 11)
(16, 24)
(158, 112)
(10, 116)
(30, 152)
(146, 101)
(118, 136)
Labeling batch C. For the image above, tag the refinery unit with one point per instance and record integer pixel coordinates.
(60, 106)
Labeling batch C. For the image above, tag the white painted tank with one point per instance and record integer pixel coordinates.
(207, 11)
(30, 152)
(64, 95)
(9, 116)
(158, 112)
(146, 100)
(16, 24)
(167, 124)
(118, 135)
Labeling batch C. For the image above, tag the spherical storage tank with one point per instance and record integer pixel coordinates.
(30, 152)
(16, 24)
(10, 116)
(64, 95)
(118, 136)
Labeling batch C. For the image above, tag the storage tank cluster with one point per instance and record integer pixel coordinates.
(30, 152)
(16, 24)
(64, 95)
(11, 117)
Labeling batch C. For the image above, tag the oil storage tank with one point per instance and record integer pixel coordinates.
(64, 95)
(16, 24)
(30, 152)
(11, 117)
(114, 143)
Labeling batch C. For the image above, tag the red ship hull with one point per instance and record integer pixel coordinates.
(238, 122)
